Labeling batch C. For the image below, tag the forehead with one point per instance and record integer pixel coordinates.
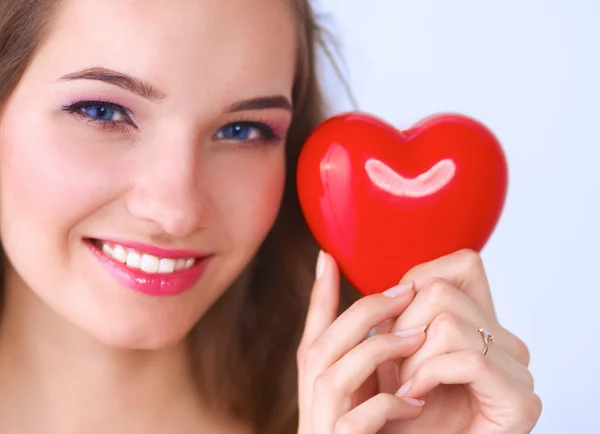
(179, 43)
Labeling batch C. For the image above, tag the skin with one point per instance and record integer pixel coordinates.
(432, 377)
(73, 341)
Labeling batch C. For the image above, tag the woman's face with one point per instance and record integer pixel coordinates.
(142, 159)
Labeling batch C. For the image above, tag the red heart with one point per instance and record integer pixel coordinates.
(382, 201)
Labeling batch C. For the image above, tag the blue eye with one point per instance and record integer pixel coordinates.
(245, 131)
(102, 112)
(107, 114)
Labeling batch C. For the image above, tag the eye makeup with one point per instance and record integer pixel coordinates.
(243, 130)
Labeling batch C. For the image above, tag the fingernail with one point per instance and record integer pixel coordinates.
(397, 290)
(404, 389)
(411, 331)
(415, 402)
(320, 264)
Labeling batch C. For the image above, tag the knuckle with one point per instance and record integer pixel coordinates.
(445, 322)
(519, 349)
(302, 355)
(322, 384)
(535, 407)
(347, 424)
(366, 304)
(444, 328)
(312, 353)
(529, 380)
(531, 409)
(522, 350)
(326, 384)
(438, 291)
(470, 258)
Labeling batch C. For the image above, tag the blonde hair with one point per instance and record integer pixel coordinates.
(245, 346)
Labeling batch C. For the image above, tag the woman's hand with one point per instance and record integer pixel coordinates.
(465, 391)
(337, 387)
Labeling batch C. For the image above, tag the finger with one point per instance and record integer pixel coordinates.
(440, 296)
(388, 373)
(322, 311)
(448, 334)
(324, 299)
(465, 270)
(502, 399)
(385, 379)
(373, 414)
(352, 370)
(334, 387)
(353, 325)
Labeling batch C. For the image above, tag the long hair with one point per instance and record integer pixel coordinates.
(244, 347)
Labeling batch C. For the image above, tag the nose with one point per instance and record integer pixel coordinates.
(170, 193)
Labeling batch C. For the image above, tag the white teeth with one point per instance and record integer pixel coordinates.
(166, 266)
(119, 254)
(134, 259)
(150, 264)
(179, 264)
(107, 249)
(141, 261)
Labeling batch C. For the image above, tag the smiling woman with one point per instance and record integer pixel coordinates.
(143, 170)
(156, 264)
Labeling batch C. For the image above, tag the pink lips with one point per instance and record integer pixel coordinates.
(157, 285)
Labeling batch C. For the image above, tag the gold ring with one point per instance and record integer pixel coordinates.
(487, 338)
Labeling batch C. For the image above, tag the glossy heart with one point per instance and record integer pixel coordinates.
(382, 201)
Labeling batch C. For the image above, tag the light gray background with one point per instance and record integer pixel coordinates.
(530, 71)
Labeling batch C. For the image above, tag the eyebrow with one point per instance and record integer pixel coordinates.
(115, 78)
(264, 103)
(147, 91)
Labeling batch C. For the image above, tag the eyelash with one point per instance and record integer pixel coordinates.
(268, 132)
(77, 107)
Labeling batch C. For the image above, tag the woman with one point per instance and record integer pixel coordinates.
(157, 268)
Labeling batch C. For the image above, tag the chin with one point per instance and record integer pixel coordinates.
(120, 318)
(130, 327)
(131, 337)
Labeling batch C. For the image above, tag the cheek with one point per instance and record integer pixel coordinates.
(47, 182)
(248, 197)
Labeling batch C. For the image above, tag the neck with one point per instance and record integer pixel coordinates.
(54, 378)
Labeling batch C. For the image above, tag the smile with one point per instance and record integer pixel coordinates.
(145, 262)
(149, 270)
